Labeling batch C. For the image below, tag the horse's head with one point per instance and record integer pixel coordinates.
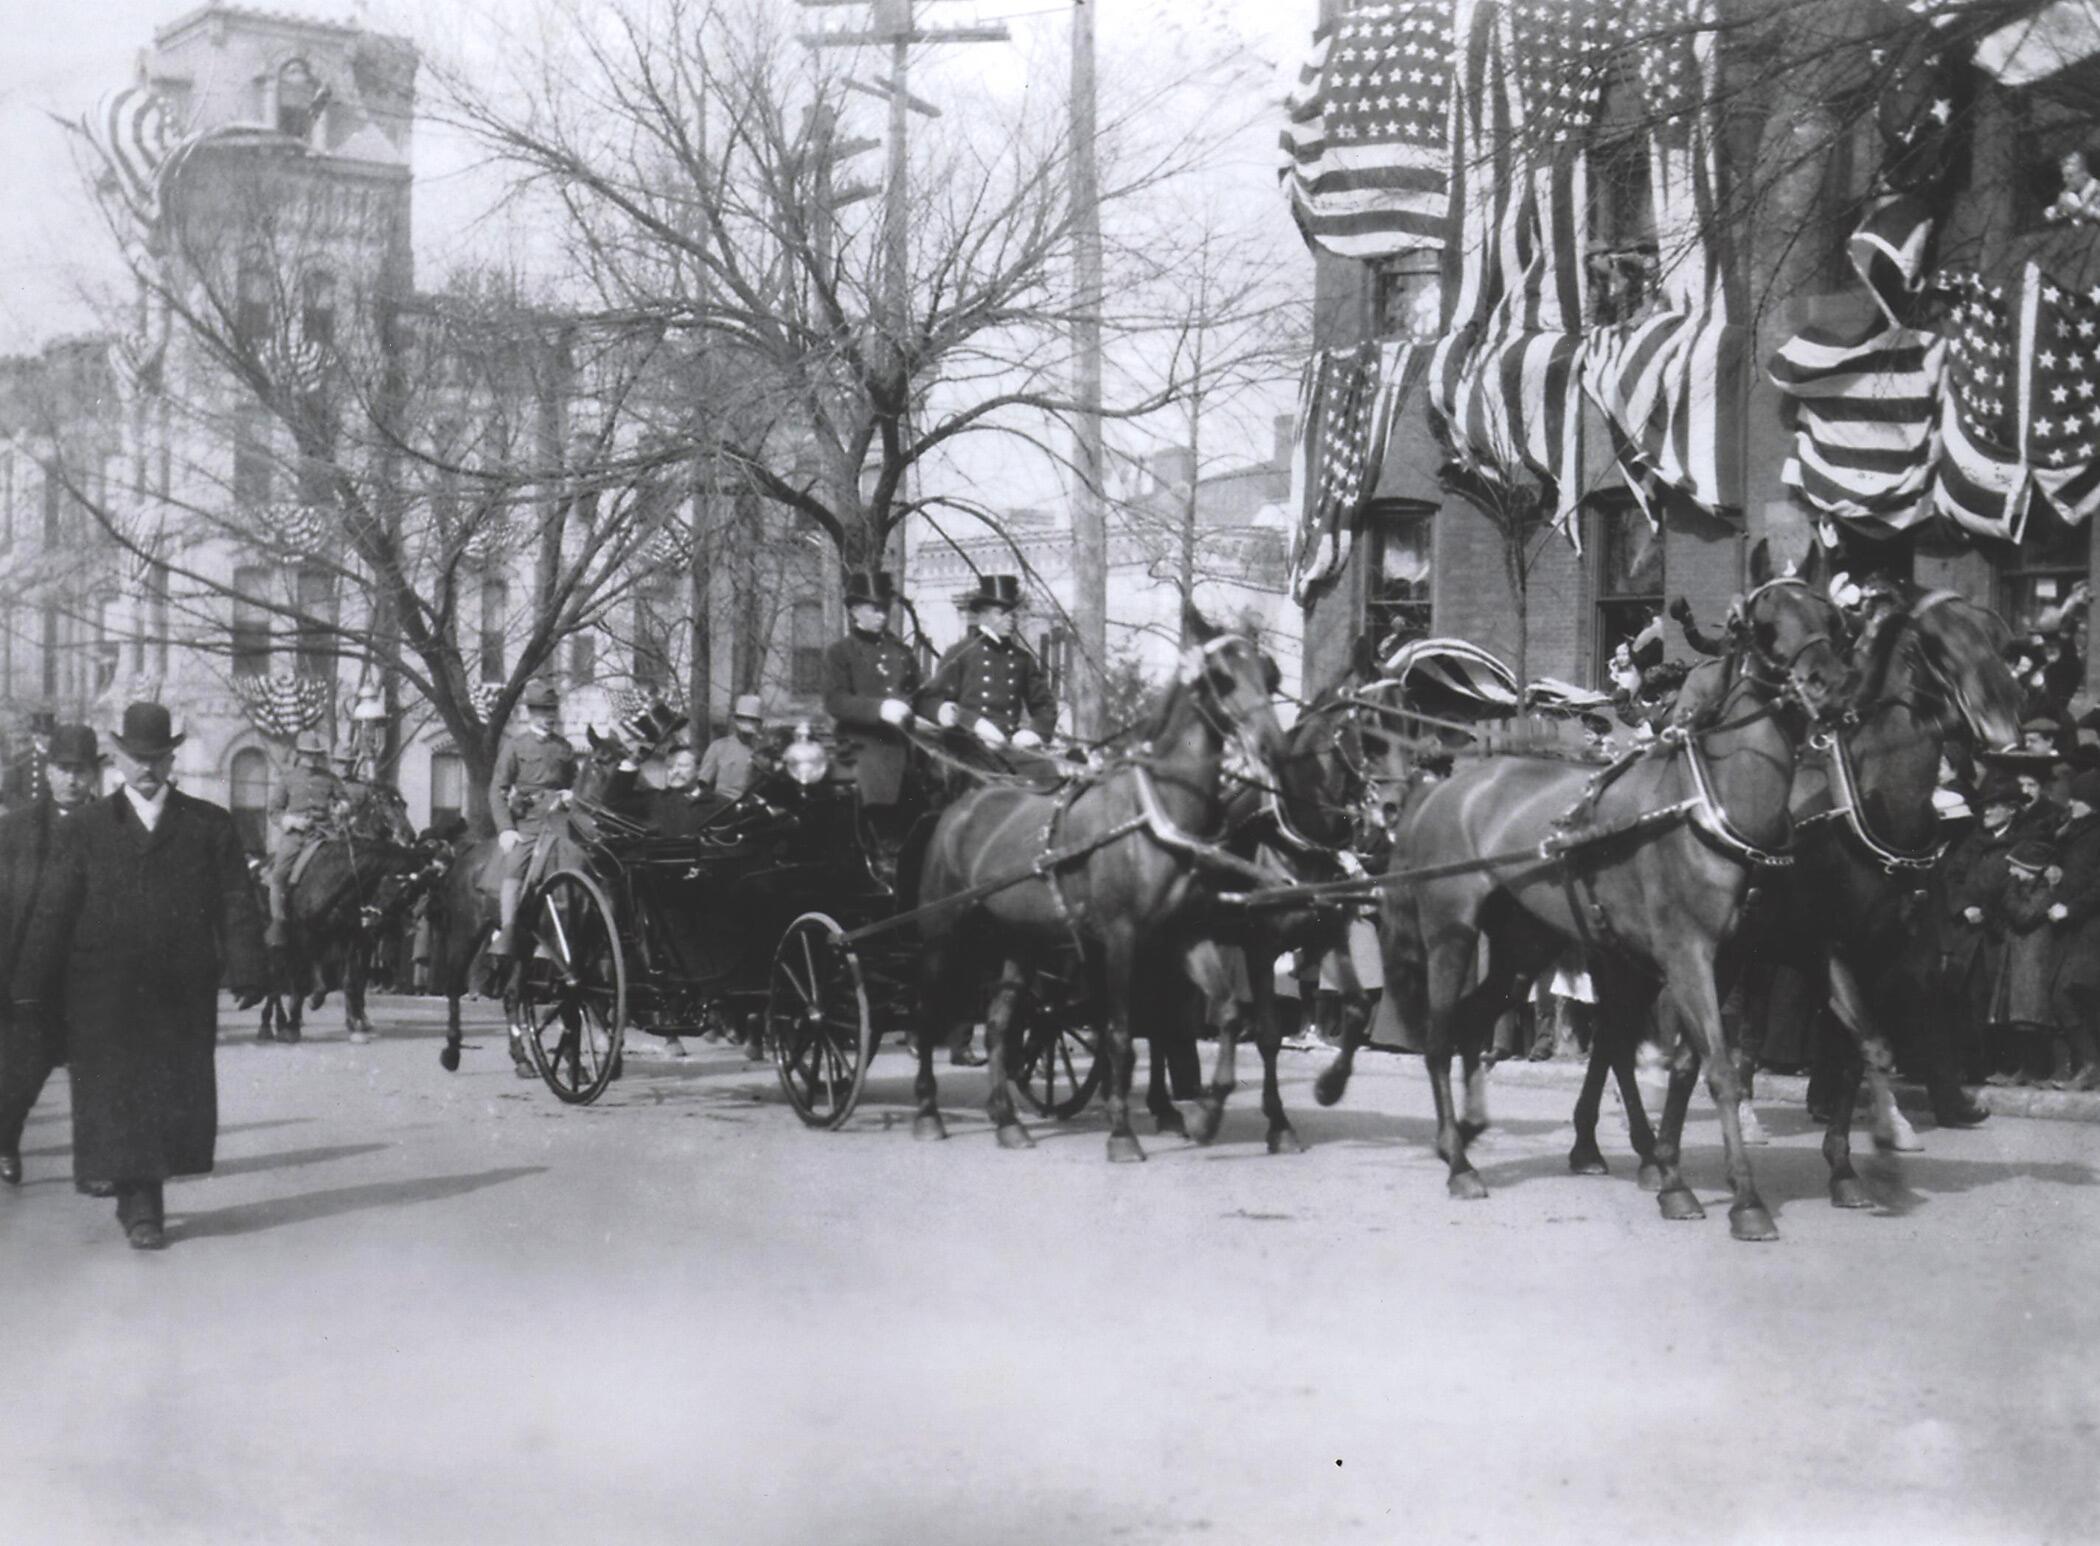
(1786, 633)
(1961, 647)
(1231, 685)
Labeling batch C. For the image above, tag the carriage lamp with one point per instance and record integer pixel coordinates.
(805, 759)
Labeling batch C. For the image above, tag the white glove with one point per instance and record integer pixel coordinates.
(2058, 912)
(950, 715)
(507, 839)
(988, 733)
(562, 797)
(895, 711)
(1027, 739)
(1352, 866)
(1973, 914)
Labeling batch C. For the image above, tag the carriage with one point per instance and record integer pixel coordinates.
(781, 919)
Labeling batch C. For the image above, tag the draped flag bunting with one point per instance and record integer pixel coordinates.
(1366, 147)
(2021, 411)
(282, 706)
(129, 130)
(1866, 421)
(1347, 402)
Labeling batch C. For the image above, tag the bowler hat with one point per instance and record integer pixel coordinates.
(542, 694)
(310, 743)
(1999, 788)
(749, 706)
(871, 586)
(147, 731)
(2032, 854)
(74, 746)
(996, 590)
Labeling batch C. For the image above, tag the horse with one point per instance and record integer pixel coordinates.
(1298, 826)
(1645, 865)
(1866, 828)
(1112, 865)
(362, 875)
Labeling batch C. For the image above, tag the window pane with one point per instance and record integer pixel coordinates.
(1631, 560)
(250, 799)
(251, 623)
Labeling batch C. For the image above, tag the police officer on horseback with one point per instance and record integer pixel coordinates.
(991, 684)
(304, 802)
(532, 778)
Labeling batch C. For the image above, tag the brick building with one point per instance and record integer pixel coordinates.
(1426, 558)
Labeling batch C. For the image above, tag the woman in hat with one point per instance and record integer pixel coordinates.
(150, 909)
(2074, 924)
(991, 684)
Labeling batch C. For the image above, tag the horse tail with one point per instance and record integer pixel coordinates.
(1406, 963)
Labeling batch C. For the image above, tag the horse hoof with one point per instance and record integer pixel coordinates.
(1168, 1124)
(1015, 1136)
(266, 1034)
(288, 1037)
(1678, 1204)
(1847, 1192)
(449, 1060)
(1124, 1149)
(1285, 1140)
(525, 1071)
(1471, 1128)
(1586, 1159)
(1210, 1116)
(1751, 1222)
(1651, 1176)
(1898, 1137)
(1466, 1186)
(1330, 1086)
(928, 1127)
(360, 1038)
(1752, 1129)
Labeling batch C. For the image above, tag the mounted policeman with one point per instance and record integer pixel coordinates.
(991, 684)
(303, 803)
(531, 784)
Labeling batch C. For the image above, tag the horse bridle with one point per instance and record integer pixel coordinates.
(1776, 675)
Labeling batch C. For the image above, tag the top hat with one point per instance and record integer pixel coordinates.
(749, 706)
(653, 725)
(542, 694)
(873, 587)
(996, 590)
(42, 722)
(74, 746)
(146, 731)
(310, 741)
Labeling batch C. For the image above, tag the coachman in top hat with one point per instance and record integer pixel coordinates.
(991, 684)
(870, 678)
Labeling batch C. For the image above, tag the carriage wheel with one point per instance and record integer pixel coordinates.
(818, 1019)
(572, 994)
(1058, 1067)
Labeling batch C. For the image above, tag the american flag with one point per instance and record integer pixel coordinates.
(1673, 44)
(1366, 147)
(2021, 413)
(1347, 402)
(1865, 414)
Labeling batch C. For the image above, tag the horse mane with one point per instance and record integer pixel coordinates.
(1885, 642)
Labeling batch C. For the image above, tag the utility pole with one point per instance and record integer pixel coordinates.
(1089, 511)
(894, 25)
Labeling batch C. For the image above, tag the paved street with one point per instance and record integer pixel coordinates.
(413, 1307)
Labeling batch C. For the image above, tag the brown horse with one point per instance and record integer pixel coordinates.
(1137, 840)
(1866, 832)
(1645, 866)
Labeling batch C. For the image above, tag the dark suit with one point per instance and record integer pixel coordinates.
(135, 933)
(994, 680)
(28, 1052)
(859, 674)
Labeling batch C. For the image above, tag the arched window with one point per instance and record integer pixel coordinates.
(299, 98)
(317, 307)
(448, 788)
(252, 777)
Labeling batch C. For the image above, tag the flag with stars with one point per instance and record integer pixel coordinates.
(2021, 412)
(1366, 146)
(1347, 402)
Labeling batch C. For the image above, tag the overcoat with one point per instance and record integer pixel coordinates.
(995, 679)
(2023, 993)
(2077, 938)
(127, 950)
(859, 673)
(26, 838)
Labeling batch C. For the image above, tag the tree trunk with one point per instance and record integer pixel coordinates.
(700, 663)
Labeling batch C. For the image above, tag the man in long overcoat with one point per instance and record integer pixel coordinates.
(28, 1053)
(2074, 920)
(149, 909)
(870, 678)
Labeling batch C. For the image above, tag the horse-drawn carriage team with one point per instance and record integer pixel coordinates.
(1787, 808)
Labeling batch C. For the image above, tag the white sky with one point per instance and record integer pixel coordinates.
(59, 56)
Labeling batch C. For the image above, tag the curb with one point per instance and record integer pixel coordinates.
(1792, 1090)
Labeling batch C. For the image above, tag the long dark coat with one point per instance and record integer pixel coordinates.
(129, 948)
(859, 673)
(2078, 936)
(26, 838)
